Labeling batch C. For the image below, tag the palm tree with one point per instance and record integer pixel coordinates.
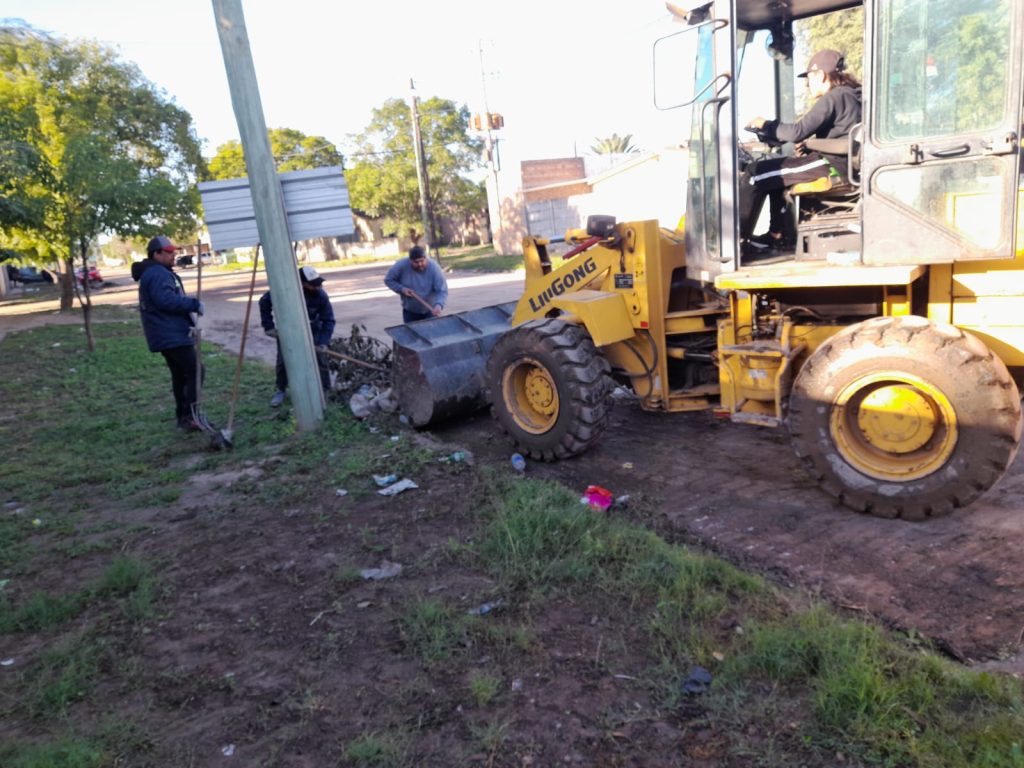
(614, 145)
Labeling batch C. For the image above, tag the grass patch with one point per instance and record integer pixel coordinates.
(125, 578)
(481, 259)
(484, 688)
(433, 631)
(62, 675)
(376, 750)
(66, 753)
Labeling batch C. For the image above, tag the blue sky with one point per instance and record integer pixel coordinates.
(562, 73)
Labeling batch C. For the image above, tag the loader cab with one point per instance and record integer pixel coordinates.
(935, 167)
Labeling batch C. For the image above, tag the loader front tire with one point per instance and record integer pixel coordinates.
(549, 388)
(904, 417)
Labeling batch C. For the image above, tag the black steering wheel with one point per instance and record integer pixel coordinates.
(763, 137)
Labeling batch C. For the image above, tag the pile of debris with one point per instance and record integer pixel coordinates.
(362, 368)
(358, 360)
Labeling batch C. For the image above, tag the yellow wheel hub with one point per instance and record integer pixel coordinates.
(894, 426)
(531, 395)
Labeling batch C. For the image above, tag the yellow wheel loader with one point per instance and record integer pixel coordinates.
(889, 342)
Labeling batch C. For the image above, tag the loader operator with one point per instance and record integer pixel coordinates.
(321, 325)
(835, 112)
(420, 283)
(168, 325)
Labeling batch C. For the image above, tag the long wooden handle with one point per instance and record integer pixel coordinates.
(241, 346)
(421, 300)
(340, 356)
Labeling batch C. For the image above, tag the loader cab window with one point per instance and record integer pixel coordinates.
(703, 214)
(942, 69)
(945, 106)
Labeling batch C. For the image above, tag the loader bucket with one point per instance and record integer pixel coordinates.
(438, 363)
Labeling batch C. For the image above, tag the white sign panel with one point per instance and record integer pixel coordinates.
(315, 202)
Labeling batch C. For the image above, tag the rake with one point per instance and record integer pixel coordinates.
(228, 432)
(218, 439)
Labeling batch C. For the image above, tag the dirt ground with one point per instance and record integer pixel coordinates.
(740, 492)
(266, 651)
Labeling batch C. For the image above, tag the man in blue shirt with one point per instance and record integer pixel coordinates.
(418, 276)
(321, 323)
(168, 324)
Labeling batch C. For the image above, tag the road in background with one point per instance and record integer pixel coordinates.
(357, 293)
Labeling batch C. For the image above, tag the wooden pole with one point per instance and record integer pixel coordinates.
(282, 272)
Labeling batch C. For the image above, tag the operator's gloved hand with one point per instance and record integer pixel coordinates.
(200, 310)
(321, 348)
(271, 332)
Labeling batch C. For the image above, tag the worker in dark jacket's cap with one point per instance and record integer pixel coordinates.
(168, 323)
(836, 109)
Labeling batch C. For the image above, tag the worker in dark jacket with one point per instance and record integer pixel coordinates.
(168, 323)
(836, 110)
(321, 323)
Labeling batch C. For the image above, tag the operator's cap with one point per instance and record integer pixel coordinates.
(160, 243)
(827, 61)
(310, 276)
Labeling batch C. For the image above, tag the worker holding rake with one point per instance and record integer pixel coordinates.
(168, 324)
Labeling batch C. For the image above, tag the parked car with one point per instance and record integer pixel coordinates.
(95, 279)
(30, 275)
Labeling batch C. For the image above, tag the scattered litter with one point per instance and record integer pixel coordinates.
(37, 521)
(622, 501)
(387, 570)
(597, 497)
(624, 677)
(517, 684)
(401, 485)
(316, 618)
(55, 345)
(363, 604)
(404, 419)
(698, 682)
(72, 370)
(518, 463)
(382, 480)
(4, 583)
(483, 610)
(627, 465)
(718, 656)
(228, 750)
(361, 404)
(7, 663)
(374, 430)
(438, 588)
(340, 492)
(386, 401)
(394, 438)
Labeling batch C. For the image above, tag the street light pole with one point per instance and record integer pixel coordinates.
(421, 172)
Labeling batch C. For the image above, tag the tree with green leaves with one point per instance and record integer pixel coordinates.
(382, 182)
(97, 149)
(292, 151)
(615, 145)
(841, 31)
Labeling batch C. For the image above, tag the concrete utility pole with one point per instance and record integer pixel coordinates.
(421, 172)
(282, 272)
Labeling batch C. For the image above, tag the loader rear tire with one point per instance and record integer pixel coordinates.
(549, 388)
(903, 417)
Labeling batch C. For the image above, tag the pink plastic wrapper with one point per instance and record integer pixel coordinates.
(597, 497)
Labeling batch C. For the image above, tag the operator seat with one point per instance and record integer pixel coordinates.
(828, 208)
